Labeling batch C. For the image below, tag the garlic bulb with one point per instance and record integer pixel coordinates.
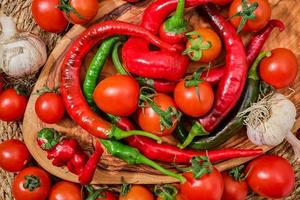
(21, 54)
(270, 121)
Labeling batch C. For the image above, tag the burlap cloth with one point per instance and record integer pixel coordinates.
(20, 10)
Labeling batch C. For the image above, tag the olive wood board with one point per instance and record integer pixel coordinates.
(111, 170)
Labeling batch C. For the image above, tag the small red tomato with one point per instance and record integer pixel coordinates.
(192, 103)
(14, 155)
(65, 190)
(50, 108)
(117, 95)
(12, 105)
(234, 189)
(48, 16)
(31, 183)
(150, 121)
(271, 176)
(137, 192)
(280, 69)
(84, 11)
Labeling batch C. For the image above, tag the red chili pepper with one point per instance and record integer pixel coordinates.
(158, 85)
(213, 76)
(232, 82)
(89, 169)
(77, 163)
(169, 153)
(76, 105)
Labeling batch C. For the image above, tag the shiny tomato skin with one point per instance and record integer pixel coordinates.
(149, 120)
(87, 9)
(117, 95)
(234, 190)
(12, 105)
(50, 108)
(262, 13)
(208, 187)
(188, 100)
(48, 16)
(137, 192)
(39, 193)
(65, 190)
(14, 155)
(271, 176)
(280, 69)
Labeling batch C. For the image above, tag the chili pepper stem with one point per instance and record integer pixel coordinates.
(177, 23)
(119, 134)
(196, 130)
(252, 74)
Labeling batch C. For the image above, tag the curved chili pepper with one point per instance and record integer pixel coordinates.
(213, 76)
(233, 81)
(76, 105)
(169, 153)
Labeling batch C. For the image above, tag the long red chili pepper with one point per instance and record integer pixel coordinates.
(213, 76)
(232, 82)
(76, 105)
(169, 153)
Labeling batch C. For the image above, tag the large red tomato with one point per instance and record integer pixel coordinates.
(64, 191)
(31, 183)
(271, 176)
(48, 16)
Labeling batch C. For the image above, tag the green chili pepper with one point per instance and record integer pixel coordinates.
(133, 157)
(116, 60)
(95, 68)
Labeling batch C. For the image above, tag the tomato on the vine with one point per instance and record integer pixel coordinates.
(31, 183)
(280, 69)
(256, 13)
(271, 176)
(50, 108)
(12, 105)
(65, 190)
(163, 123)
(117, 95)
(137, 192)
(192, 101)
(48, 16)
(14, 155)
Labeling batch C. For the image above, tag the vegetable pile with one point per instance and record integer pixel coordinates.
(153, 96)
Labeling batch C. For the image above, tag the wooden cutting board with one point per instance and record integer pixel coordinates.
(111, 170)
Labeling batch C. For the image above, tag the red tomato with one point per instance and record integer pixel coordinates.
(86, 10)
(50, 108)
(149, 120)
(108, 196)
(271, 176)
(208, 187)
(191, 103)
(12, 105)
(280, 69)
(138, 192)
(31, 183)
(117, 95)
(47, 15)
(234, 190)
(65, 190)
(262, 14)
(14, 155)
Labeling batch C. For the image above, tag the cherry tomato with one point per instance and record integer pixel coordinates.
(85, 11)
(192, 103)
(280, 69)
(14, 155)
(150, 121)
(12, 105)
(65, 190)
(31, 183)
(208, 36)
(208, 187)
(234, 190)
(48, 16)
(262, 15)
(50, 108)
(271, 176)
(137, 192)
(117, 95)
